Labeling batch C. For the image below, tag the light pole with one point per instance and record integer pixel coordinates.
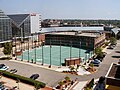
(42, 53)
(60, 53)
(70, 49)
(50, 54)
(79, 49)
(28, 49)
(15, 49)
(32, 40)
(22, 50)
(35, 51)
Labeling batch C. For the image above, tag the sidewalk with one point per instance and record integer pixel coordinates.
(10, 83)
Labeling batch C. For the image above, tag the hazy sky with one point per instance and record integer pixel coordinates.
(65, 9)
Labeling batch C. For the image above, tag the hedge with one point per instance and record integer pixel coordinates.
(23, 79)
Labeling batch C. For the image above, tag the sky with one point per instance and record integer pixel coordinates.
(64, 9)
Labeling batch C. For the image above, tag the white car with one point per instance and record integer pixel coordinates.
(4, 68)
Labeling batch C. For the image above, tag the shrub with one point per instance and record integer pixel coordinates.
(106, 43)
(23, 79)
(5, 58)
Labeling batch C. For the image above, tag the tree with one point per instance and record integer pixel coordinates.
(113, 40)
(7, 48)
(98, 50)
(67, 79)
(61, 83)
(71, 68)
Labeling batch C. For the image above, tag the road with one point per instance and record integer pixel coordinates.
(51, 77)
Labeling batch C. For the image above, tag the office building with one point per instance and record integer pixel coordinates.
(5, 28)
(24, 25)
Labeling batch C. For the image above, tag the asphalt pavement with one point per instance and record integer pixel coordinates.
(51, 77)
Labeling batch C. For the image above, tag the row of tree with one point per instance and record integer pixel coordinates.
(98, 51)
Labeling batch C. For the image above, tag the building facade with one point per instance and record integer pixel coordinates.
(113, 77)
(5, 27)
(83, 39)
(24, 25)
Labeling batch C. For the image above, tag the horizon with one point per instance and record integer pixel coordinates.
(64, 9)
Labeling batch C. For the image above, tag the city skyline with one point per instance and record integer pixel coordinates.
(67, 9)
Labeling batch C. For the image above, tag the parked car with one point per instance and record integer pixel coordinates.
(97, 60)
(110, 47)
(95, 63)
(3, 67)
(34, 76)
(13, 70)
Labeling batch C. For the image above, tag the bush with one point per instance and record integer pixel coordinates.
(5, 58)
(23, 79)
(106, 43)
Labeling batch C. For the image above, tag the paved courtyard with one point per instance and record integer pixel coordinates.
(51, 77)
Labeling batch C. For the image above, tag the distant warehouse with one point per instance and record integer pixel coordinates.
(81, 39)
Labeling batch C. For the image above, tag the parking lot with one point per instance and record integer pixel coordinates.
(51, 77)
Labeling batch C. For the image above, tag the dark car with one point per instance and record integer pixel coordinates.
(110, 47)
(13, 70)
(2, 65)
(34, 76)
(95, 63)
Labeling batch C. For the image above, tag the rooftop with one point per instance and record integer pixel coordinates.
(114, 71)
(18, 18)
(78, 33)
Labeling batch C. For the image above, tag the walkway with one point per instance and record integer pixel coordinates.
(51, 77)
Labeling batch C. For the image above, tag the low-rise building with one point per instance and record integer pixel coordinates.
(113, 77)
(81, 39)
